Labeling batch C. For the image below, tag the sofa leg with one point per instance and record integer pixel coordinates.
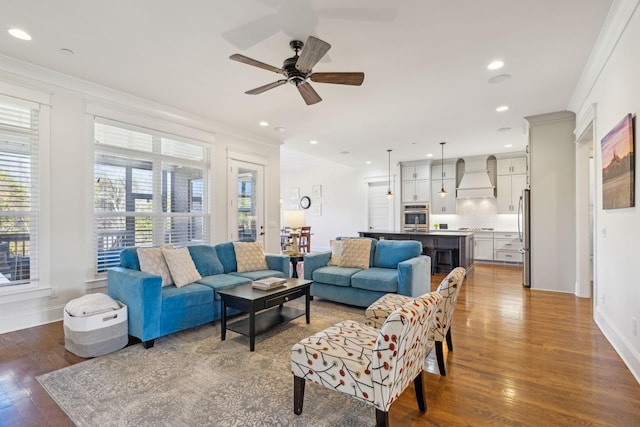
(148, 344)
(298, 394)
(449, 342)
(440, 357)
(418, 385)
(382, 418)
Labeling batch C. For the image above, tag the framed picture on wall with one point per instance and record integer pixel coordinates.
(295, 193)
(316, 190)
(618, 166)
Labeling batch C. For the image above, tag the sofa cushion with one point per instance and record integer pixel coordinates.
(331, 275)
(376, 279)
(183, 270)
(249, 256)
(355, 253)
(373, 241)
(220, 282)
(205, 257)
(152, 261)
(227, 256)
(174, 299)
(390, 252)
(129, 259)
(260, 274)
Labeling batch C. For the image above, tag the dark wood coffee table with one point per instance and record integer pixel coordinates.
(266, 308)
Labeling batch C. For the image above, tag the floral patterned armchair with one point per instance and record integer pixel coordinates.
(449, 288)
(372, 365)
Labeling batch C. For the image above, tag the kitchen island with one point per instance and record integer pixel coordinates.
(462, 241)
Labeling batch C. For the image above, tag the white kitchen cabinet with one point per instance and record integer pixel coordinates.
(509, 191)
(417, 172)
(516, 165)
(506, 247)
(483, 246)
(415, 191)
(440, 204)
(449, 171)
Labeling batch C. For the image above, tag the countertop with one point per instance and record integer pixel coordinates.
(454, 233)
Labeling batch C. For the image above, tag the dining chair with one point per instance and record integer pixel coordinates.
(304, 241)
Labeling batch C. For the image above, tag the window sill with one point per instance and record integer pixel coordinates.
(24, 293)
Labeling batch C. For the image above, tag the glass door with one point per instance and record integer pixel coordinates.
(246, 216)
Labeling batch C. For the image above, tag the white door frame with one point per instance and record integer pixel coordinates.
(249, 161)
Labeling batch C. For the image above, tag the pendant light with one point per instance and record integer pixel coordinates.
(442, 192)
(389, 193)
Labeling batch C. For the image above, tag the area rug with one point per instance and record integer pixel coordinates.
(193, 378)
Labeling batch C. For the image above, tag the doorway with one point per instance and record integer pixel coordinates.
(380, 207)
(585, 214)
(246, 205)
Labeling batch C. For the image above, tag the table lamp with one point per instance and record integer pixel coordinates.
(293, 219)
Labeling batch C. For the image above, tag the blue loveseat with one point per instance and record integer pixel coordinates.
(155, 311)
(395, 266)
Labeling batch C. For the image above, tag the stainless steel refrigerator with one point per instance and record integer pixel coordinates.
(524, 231)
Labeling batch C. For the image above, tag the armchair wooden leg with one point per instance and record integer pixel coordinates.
(382, 418)
(440, 357)
(418, 385)
(449, 342)
(298, 394)
(148, 344)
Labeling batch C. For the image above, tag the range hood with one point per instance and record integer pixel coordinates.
(475, 182)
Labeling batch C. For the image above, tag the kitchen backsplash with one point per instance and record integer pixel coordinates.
(477, 213)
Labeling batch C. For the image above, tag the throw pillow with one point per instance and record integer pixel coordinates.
(336, 252)
(152, 262)
(355, 253)
(183, 270)
(250, 256)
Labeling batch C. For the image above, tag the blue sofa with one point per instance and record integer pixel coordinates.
(155, 311)
(395, 266)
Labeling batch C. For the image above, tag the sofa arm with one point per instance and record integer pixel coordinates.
(414, 276)
(142, 294)
(313, 261)
(278, 262)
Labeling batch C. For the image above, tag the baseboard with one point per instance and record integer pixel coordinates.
(623, 347)
(31, 319)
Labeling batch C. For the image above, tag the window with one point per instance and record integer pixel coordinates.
(19, 186)
(150, 189)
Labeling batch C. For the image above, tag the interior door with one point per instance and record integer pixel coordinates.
(246, 205)
(380, 207)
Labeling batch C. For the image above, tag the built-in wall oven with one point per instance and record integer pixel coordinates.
(415, 217)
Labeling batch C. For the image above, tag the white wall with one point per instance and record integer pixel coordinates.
(68, 206)
(610, 82)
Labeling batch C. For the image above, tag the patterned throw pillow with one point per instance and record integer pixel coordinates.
(250, 256)
(355, 253)
(336, 252)
(183, 270)
(152, 262)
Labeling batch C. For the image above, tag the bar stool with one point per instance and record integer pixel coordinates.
(439, 256)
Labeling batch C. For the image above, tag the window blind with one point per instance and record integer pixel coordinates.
(19, 179)
(150, 189)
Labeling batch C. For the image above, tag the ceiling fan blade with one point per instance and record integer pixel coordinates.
(255, 63)
(265, 87)
(309, 95)
(314, 49)
(355, 79)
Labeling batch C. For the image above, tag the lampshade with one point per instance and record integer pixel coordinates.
(293, 218)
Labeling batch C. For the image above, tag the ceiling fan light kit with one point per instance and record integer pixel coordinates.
(297, 70)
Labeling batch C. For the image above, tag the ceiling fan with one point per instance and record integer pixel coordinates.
(297, 70)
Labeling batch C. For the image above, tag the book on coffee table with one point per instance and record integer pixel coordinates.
(269, 283)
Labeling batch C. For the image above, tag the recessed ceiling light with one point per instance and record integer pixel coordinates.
(263, 123)
(429, 155)
(368, 162)
(313, 142)
(19, 34)
(508, 145)
(500, 78)
(65, 51)
(279, 129)
(504, 129)
(495, 65)
(502, 108)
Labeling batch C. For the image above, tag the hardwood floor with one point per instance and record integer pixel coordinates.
(521, 358)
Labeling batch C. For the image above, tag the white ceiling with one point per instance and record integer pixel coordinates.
(424, 60)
